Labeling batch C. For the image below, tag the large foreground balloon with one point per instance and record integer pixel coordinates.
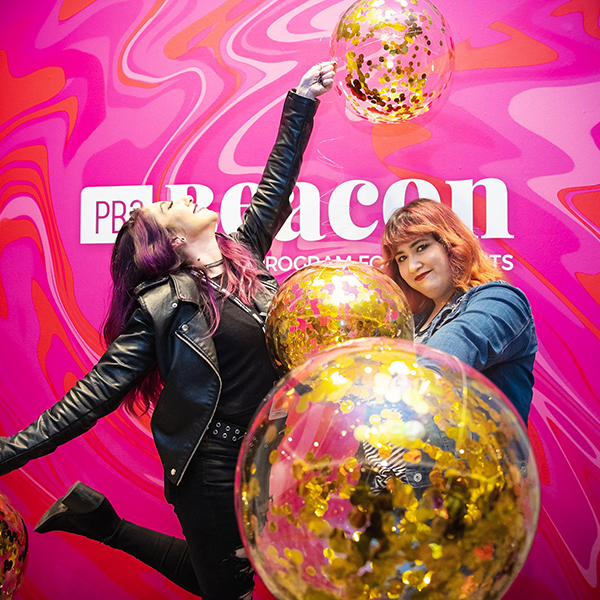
(13, 549)
(331, 302)
(395, 58)
(384, 469)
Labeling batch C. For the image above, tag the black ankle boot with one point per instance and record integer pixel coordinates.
(82, 510)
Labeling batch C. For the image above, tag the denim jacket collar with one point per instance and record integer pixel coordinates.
(452, 309)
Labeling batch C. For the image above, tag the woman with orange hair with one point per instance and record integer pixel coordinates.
(463, 307)
(462, 304)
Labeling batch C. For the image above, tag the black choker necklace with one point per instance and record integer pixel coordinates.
(214, 264)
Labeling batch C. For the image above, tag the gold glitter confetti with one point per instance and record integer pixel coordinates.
(395, 58)
(13, 548)
(329, 519)
(328, 303)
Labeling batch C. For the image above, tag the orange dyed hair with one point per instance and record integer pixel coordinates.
(469, 264)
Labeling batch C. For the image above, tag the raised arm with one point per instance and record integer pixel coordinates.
(270, 206)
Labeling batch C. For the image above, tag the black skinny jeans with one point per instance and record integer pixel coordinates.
(211, 562)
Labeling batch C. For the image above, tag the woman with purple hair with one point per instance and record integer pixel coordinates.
(185, 336)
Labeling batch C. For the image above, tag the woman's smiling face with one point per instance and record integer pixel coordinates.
(424, 265)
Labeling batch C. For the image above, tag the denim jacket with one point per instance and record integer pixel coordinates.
(491, 329)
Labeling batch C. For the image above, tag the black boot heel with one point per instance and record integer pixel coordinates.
(82, 510)
(82, 498)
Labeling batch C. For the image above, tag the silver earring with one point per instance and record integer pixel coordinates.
(182, 239)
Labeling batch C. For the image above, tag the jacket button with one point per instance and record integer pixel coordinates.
(173, 471)
(184, 328)
(417, 477)
(174, 305)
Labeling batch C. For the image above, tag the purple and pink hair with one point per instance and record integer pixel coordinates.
(143, 251)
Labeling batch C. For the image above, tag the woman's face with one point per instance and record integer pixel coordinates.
(424, 265)
(185, 217)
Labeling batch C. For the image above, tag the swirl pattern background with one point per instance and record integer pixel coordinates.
(165, 92)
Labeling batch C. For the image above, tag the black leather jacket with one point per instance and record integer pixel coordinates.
(169, 327)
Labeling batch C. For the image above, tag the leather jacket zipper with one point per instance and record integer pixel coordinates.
(205, 358)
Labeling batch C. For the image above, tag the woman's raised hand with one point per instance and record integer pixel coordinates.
(317, 80)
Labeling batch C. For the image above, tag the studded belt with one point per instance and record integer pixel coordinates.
(227, 431)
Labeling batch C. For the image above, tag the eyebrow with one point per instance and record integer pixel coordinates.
(412, 245)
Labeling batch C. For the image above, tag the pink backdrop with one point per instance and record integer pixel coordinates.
(107, 93)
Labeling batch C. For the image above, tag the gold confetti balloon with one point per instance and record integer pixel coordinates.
(385, 469)
(395, 58)
(331, 302)
(13, 549)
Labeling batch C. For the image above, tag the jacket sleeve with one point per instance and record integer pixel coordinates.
(496, 326)
(99, 393)
(270, 205)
